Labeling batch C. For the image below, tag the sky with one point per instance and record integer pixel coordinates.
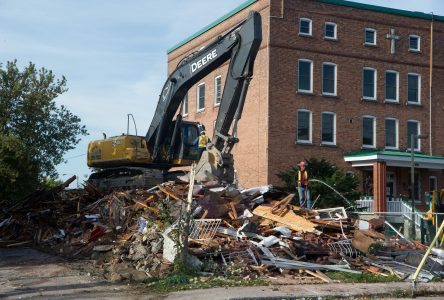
(113, 53)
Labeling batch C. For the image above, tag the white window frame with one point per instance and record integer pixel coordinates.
(336, 79)
(397, 87)
(197, 98)
(396, 132)
(310, 27)
(419, 132)
(375, 79)
(335, 36)
(436, 182)
(374, 132)
(310, 131)
(419, 89)
(419, 43)
(375, 42)
(311, 76)
(215, 89)
(334, 128)
(187, 106)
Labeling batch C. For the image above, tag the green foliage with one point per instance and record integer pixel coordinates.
(361, 278)
(28, 113)
(49, 182)
(175, 282)
(18, 171)
(323, 170)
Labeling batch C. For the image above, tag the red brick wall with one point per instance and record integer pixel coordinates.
(350, 55)
(251, 152)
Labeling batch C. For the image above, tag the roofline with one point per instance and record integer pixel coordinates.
(376, 8)
(213, 24)
(387, 10)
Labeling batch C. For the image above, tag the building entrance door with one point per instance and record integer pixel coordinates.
(391, 188)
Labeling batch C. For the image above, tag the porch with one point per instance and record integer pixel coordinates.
(387, 178)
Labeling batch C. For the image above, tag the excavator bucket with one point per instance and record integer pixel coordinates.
(213, 166)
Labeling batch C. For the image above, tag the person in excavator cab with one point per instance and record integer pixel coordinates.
(202, 142)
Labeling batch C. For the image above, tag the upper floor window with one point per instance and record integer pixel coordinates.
(369, 132)
(391, 86)
(413, 128)
(414, 88)
(369, 84)
(391, 133)
(305, 27)
(370, 36)
(185, 105)
(414, 43)
(303, 126)
(200, 97)
(330, 31)
(217, 90)
(305, 76)
(329, 79)
(328, 128)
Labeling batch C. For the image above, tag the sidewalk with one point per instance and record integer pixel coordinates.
(312, 291)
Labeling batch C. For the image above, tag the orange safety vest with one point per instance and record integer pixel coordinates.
(303, 177)
(203, 141)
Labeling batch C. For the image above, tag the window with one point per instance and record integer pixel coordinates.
(305, 73)
(433, 183)
(369, 84)
(330, 31)
(414, 88)
(305, 27)
(370, 37)
(329, 79)
(368, 132)
(217, 90)
(414, 43)
(413, 127)
(200, 97)
(391, 86)
(304, 126)
(391, 133)
(328, 128)
(185, 105)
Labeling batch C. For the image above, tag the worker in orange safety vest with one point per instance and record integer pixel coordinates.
(303, 191)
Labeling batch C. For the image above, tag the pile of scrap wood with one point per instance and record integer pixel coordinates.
(255, 232)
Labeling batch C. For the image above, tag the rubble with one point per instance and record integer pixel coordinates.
(132, 234)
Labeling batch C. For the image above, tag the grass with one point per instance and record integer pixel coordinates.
(360, 278)
(181, 282)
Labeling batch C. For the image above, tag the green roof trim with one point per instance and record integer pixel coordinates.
(382, 9)
(389, 153)
(208, 27)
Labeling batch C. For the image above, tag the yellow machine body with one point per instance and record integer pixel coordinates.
(117, 151)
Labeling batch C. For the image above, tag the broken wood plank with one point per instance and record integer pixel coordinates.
(291, 220)
(319, 275)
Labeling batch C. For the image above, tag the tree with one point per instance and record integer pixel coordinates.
(33, 124)
(323, 170)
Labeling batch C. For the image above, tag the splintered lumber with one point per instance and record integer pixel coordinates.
(280, 207)
(291, 220)
(318, 274)
(372, 234)
(169, 192)
(362, 242)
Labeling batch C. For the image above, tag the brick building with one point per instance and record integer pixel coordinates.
(339, 80)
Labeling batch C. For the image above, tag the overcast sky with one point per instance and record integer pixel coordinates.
(113, 53)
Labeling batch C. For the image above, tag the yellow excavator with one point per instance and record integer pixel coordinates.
(132, 161)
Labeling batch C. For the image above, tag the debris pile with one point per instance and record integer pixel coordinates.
(254, 233)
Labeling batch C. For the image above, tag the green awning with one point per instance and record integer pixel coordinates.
(394, 158)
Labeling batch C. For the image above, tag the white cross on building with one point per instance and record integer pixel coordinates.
(393, 38)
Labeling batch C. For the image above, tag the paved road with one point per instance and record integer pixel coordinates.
(27, 273)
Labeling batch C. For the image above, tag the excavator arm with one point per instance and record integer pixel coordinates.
(239, 45)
